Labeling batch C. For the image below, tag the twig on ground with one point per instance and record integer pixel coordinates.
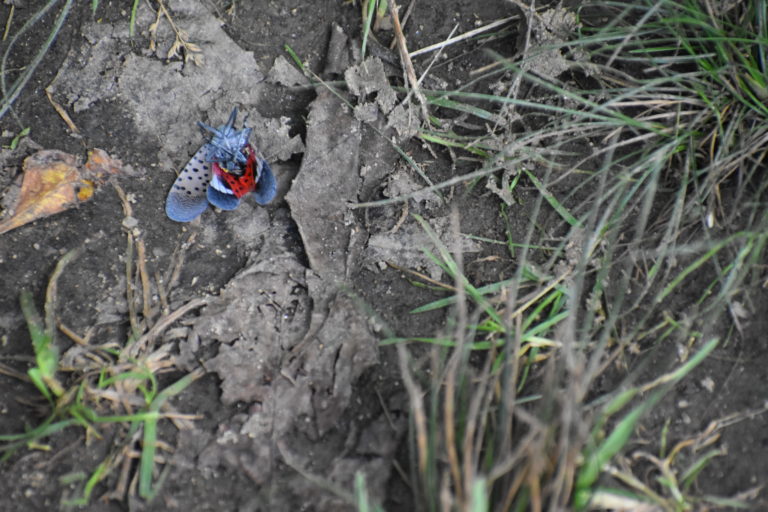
(60, 110)
(462, 37)
(422, 276)
(8, 21)
(141, 254)
(144, 344)
(401, 220)
(406, 60)
(406, 17)
(164, 307)
(177, 262)
(134, 236)
(69, 333)
(434, 59)
(10, 372)
(416, 398)
(128, 211)
(191, 50)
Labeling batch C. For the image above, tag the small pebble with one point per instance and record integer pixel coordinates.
(130, 222)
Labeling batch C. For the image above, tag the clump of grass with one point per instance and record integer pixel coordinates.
(674, 473)
(478, 437)
(112, 383)
(650, 153)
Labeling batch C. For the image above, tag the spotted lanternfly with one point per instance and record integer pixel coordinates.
(222, 172)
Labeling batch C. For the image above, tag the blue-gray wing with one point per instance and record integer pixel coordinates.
(266, 187)
(187, 197)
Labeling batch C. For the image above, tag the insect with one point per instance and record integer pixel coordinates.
(224, 170)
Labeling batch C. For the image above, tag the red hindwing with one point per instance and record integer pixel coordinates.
(240, 185)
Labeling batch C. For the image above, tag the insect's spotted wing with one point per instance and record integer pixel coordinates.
(187, 198)
(266, 186)
(222, 172)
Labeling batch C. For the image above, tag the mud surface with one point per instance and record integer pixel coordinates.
(293, 298)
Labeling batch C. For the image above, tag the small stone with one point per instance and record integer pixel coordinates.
(130, 223)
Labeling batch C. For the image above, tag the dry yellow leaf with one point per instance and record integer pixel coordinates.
(53, 182)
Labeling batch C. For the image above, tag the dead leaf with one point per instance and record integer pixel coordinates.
(101, 166)
(53, 182)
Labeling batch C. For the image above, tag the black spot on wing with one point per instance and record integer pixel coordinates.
(192, 181)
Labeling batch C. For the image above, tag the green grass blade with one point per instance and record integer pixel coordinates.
(449, 264)
(430, 137)
(606, 450)
(590, 471)
(479, 499)
(361, 495)
(294, 57)
(689, 475)
(552, 200)
(462, 107)
(489, 289)
(46, 429)
(149, 445)
(46, 354)
(444, 342)
(34, 321)
(367, 26)
(15, 141)
(701, 260)
(101, 471)
(132, 22)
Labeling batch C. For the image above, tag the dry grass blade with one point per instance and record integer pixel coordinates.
(447, 183)
(406, 60)
(422, 276)
(10, 372)
(466, 35)
(173, 273)
(61, 111)
(128, 224)
(146, 287)
(181, 44)
(135, 238)
(145, 343)
(417, 408)
(9, 21)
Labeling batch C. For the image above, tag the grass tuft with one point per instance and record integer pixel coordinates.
(646, 158)
(114, 384)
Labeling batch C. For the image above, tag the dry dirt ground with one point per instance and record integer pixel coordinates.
(297, 295)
